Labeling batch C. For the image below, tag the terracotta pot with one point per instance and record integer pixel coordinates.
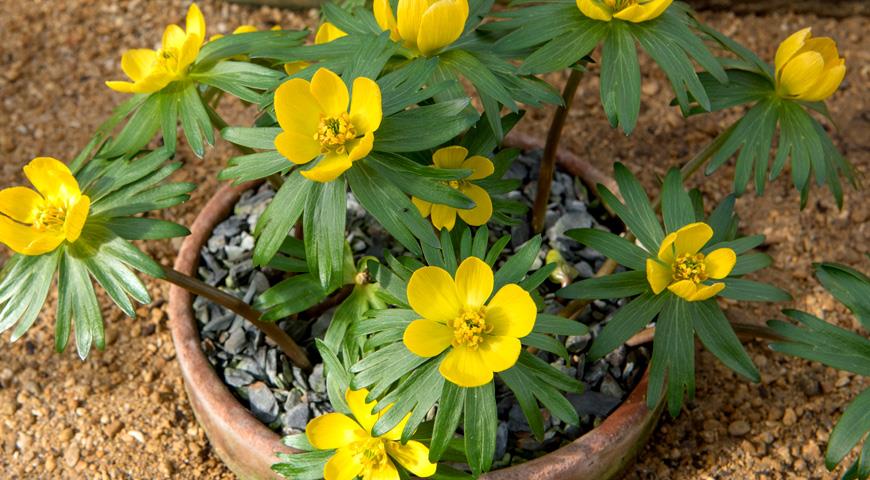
(248, 447)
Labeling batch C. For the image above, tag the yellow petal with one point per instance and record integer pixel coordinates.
(195, 24)
(173, 37)
(137, 63)
(707, 291)
(241, 29)
(432, 294)
(333, 430)
(658, 275)
(825, 46)
(20, 203)
(385, 471)
(189, 51)
(299, 149)
(685, 289)
(801, 73)
(512, 312)
(396, 432)
(423, 206)
(408, 15)
(327, 33)
(361, 410)
(692, 238)
(641, 12)
(594, 10)
(330, 91)
(76, 216)
(720, 262)
(414, 456)
(385, 18)
(499, 353)
(344, 465)
(482, 211)
(828, 83)
(666, 249)
(120, 86)
(293, 68)
(449, 157)
(481, 167)
(465, 368)
(365, 106)
(790, 46)
(474, 282)
(296, 108)
(427, 338)
(361, 147)
(330, 167)
(441, 25)
(27, 240)
(52, 179)
(443, 216)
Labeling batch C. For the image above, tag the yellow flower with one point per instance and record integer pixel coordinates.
(325, 34)
(424, 26)
(151, 70)
(317, 123)
(358, 453)
(444, 216)
(682, 269)
(37, 222)
(808, 68)
(485, 337)
(635, 11)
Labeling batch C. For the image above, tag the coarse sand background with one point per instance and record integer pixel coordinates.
(123, 413)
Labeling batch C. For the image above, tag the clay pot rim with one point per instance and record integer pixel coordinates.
(231, 427)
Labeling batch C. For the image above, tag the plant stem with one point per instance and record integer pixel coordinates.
(548, 162)
(290, 348)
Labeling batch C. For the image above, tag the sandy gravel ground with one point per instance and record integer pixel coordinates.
(124, 414)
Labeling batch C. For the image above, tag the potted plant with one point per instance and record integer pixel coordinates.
(447, 326)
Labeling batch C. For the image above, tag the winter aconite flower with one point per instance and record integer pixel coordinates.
(684, 270)
(635, 11)
(325, 34)
(358, 452)
(151, 70)
(444, 216)
(808, 68)
(318, 124)
(483, 337)
(423, 26)
(37, 222)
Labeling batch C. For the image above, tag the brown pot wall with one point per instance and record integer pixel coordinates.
(248, 447)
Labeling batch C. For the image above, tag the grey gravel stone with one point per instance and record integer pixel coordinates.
(296, 417)
(237, 378)
(262, 401)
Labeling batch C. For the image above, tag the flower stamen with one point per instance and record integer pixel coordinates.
(371, 454)
(334, 132)
(690, 266)
(50, 218)
(470, 327)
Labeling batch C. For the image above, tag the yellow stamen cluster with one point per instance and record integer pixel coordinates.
(371, 454)
(469, 328)
(618, 5)
(334, 132)
(690, 266)
(50, 218)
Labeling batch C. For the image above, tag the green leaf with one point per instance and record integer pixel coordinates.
(254, 167)
(567, 49)
(742, 88)
(303, 466)
(169, 118)
(195, 120)
(135, 228)
(721, 220)
(289, 296)
(627, 321)
(23, 290)
(516, 267)
(553, 325)
(751, 262)
(673, 356)
(521, 385)
(799, 140)
(547, 344)
(80, 303)
(323, 226)
(615, 285)
(337, 377)
(716, 333)
(534, 25)
(258, 137)
(416, 180)
(620, 78)
(748, 290)
(486, 83)
(850, 429)
(677, 208)
(611, 246)
(239, 78)
(739, 245)
(283, 211)
(637, 213)
(849, 286)
(424, 127)
(138, 131)
(253, 44)
(446, 419)
(480, 427)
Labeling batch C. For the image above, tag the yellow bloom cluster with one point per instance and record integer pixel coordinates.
(444, 216)
(151, 70)
(358, 452)
(37, 222)
(424, 26)
(808, 68)
(635, 11)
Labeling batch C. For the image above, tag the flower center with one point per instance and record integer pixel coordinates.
(454, 184)
(168, 60)
(690, 266)
(334, 132)
(50, 218)
(619, 5)
(371, 454)
(470, 327)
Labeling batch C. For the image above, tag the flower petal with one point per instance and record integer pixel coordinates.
(828, 83)
(330, 91)
(239, 29)
(449, 157)
(684, 289)
(385, 18)
(173, 37)
(707, 291)
(499, 353)
(424, 207)
(296, 147)
(361, 410)
(482, 211)
(432, 294)
(594, 10)
(189, 51)
(443, 216)
(441, 24)
(408, 15)
(474, 282)
(692, 238)
(26, 240)
(666, 249)
(137, 63)
(330, 167)
(481, 167)
(20, 203)
(365, 106)
(801, 73)
(414, 456)
(53, 179)
(296, 108)
(342, 466)
(641, 12)
(76, 216)
(385, 471)
(658, 275)
(333, 430)
(327, 33)
(427, 338)
(512, 312)
(465, 367)
(790, 46)
(361, 147)
(292, 68)
(121, 86)
(195, 22)
(720, 262)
